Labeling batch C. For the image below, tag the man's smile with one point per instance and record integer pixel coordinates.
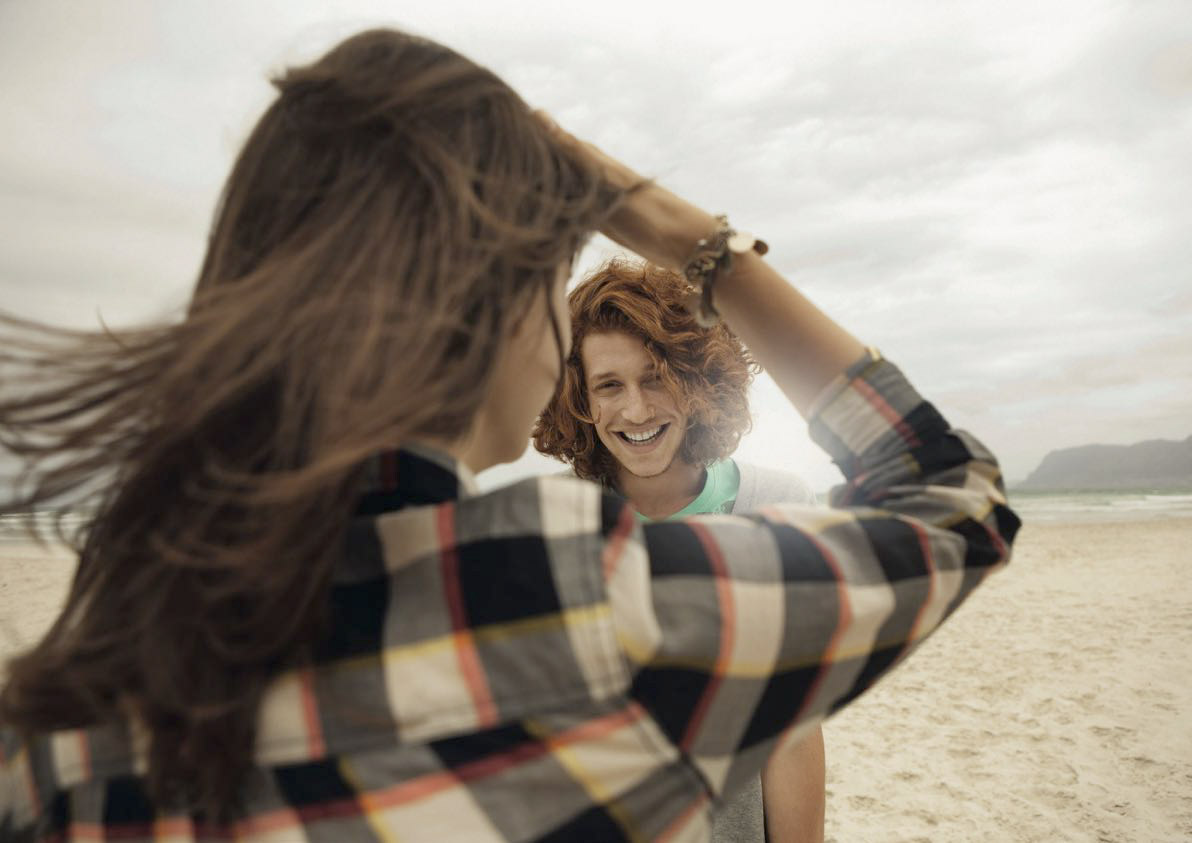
(640, 438)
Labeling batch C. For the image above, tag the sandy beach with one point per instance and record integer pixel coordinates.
(1054, 706)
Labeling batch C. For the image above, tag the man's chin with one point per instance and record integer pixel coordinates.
(643, 469)
(645, 472)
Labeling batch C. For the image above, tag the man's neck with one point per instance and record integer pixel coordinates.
(663, 494)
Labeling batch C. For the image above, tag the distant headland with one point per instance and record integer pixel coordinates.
(1154, 464)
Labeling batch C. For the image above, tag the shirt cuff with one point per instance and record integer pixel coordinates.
(869, 414)
(841, 381)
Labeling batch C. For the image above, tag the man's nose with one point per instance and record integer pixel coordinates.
(637, 409)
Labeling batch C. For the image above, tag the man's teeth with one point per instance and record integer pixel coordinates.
(644, 436)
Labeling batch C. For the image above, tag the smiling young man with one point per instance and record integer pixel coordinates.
(652, 406)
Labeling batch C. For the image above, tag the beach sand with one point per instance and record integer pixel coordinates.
(1055, 705)
(33, 583)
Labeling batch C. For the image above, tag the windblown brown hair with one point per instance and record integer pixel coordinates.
(706, 370)
(391, 214)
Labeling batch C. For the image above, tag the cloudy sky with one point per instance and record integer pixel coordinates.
(997, 195)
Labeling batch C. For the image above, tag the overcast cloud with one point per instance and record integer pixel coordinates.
(997, 195)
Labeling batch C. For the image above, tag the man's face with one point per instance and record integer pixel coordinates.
(635, 416)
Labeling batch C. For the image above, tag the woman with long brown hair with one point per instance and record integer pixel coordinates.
(293, 615)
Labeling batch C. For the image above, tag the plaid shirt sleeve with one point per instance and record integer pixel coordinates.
(744, 632)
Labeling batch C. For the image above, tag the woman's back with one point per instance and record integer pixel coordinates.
(392, 208)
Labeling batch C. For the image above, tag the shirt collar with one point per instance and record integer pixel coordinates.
(416, 475)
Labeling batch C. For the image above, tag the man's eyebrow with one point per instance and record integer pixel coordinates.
(599, 376)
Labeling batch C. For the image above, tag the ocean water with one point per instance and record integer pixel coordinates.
(12, 529)
(1101, 506)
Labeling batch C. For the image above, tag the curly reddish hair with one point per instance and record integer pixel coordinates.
(706, 370)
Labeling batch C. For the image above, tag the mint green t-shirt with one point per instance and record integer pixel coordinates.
(722, 480)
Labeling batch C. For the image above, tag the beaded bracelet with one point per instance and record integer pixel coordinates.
(713, 256)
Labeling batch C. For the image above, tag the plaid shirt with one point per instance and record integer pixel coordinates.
(534, 664)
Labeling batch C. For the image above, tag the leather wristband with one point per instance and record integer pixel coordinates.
(713, 257)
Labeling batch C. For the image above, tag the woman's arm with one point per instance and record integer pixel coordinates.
(744, 632)
(796, 343)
